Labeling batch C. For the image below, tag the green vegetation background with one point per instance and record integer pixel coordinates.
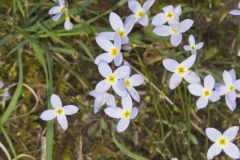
(37, 56)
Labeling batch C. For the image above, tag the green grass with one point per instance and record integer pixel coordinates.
(38, 57)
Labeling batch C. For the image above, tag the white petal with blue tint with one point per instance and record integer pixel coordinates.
(186, 25)
(48, 115)
(191, 77)
(134, 94)
(122, 72)
(55, 101)
(104, 69)
(55, 10)
(231, 133)
(162, 30)
(176, 39)
(115, 21)
(137, 79)
(235, 12)
(170, 64)
(232, 150)
(214, 96)
(103, 58)
(189, 61)
(213, 151)
(209, 82)
(118, 59)
(227, 78)
(68, 25)
(127, 102)
(159, 19)
(202, 102)
(62, 120)
(107, 35)
(104, 43)
(230, 104)
(147, 5)
(123, 124)
(102, 86)
(213, 134)
(195, 89)
(114, 112)
(174, 81)
(70, 109)
(134, 5)
(144, 20)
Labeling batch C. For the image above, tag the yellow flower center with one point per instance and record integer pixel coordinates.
(206, 93)
(193, 47)
(62, 9)
(231, 88)
(114, 52)
(170, 15)
(173, 31)
(59, 111)
(181, 70)
(126, 114)
(128, 83)
(222, 141)
(140, 13)
(112, 79)
(121, 33)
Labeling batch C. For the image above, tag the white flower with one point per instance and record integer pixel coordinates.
(58, 11)
(125, 114)
(229, 88)
(113, 51)
(181, 71)
(223, 142)
(174, 30)
(169, 14)
(205, 92)
(193, 47)
(111, 78)
(101, 99)
(5, 95)
(119, 28)
(59, 111)
(140, 12)
(235, 12)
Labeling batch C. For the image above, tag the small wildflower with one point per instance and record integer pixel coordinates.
(140, 12)
(59, 111)
(169, 14)
(101, 99)
(4, 94)
(193, 47)
(181, 71)
(223, 142)
(174, 30)
(235, 12)
(119, 28)
(205, 92)
(111, 78)
(125, 114)
(113, 51)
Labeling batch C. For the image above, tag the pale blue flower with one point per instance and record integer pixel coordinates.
(111, 78)
(174, 30)
(113, 51)
(59, 111)
(229, 88)
(101, 99)
(181, 71)
(5, 95)
(223, 142)
(206, 92)
(169, 14)
(125, 114)
(193, 47)
(235, 12)
(140, 12)
(119, 28)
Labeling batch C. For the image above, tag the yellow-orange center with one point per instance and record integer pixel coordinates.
(59, 111)
(126, 114)
(112, 79)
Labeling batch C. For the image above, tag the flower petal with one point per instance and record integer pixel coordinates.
(62, 120)
(191, 40)
(118, 42)
(123, 124)
(134, 5)
(230, 104)
(175, 80)
(48, 115)
(178, 10)
(199, 45)
(129, 25)
(202, 102)
(191, 77)
(213, 134)
(237, 84)
(213, 151)
(168, 8)
(209, 82)
(104, 43)
(170, 64)
(102, 86)
(162, 30)
(186, 25)
(176, 39)
(55, 10)
(1, 84)
(119, 91)
(114, 112)
(61, 2)
(115, 21)
(195, 89)
(134, 113)
(118, 59)
(134, 94)
(107, 35)
(159, 19)
(144, 20)
(110, 100)
(103, 58)
(235, 12)
(68, 25)
(56, 17)
(125, 40)
(127, 102)
(231, 133)
(70, 109)
(214, 96)
(104, 69)
(232, 150)
(55, 101)
(147, 5)
(137, 79)
(187, 47)
(233, 74)
(189, 62)
(227, 78)
(122, 72)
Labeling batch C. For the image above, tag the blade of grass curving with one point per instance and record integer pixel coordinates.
(126, 151)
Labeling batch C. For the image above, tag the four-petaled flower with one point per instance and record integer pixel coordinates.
(169, 14)
(119, 28)
(59, 111)
(140, 12)
(229, 88)
(223, 142)
(125, 114)
(113, 51)
(111, 78)
(193, 47)
(181, 71)
(174, 30)
(101, 99)
(205, 92)
(235, 12)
